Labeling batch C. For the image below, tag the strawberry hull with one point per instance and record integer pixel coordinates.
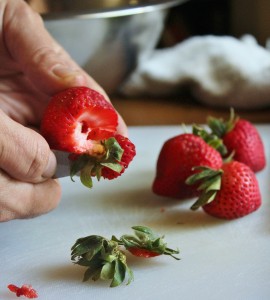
(129, 151)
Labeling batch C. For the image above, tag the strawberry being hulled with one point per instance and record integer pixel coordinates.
(79, 120)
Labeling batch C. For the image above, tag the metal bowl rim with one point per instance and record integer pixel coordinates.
(112, 12)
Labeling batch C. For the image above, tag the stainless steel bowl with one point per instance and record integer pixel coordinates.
(105, 37)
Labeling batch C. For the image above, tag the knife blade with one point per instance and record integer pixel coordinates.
(63, 164)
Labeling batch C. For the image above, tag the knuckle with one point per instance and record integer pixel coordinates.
(24, 153)
(41, 54)
(37, 162)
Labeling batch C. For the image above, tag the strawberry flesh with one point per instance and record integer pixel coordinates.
(25, 290)
(141, 252)
(76, 119)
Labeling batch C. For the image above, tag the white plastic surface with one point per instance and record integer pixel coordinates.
(219, 259)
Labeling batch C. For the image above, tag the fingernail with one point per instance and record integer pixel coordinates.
(68, 74)
(51, 166)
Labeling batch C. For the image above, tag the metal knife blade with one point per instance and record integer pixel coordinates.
(63, 164)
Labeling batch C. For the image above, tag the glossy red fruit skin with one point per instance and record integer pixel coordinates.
(141, 252)
(128, 155)
(75, 116)
(175, 162)
(245, 141)
(239, 194)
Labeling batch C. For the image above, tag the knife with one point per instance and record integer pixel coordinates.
(63, 164)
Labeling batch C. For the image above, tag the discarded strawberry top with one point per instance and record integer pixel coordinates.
(106, 260)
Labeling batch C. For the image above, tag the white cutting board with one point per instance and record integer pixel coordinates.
(219, 259)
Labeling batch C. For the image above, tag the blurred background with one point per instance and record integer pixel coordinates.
(219, 17)
(109, 39)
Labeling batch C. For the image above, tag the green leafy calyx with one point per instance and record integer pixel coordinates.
(220, 127)
(104, 258)
(211, 139)
(145, 238)
(91, 165)
(209, 181)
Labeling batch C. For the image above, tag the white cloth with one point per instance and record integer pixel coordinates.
(220, 71)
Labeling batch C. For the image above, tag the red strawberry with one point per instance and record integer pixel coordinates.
(76, 115)
(242, 139)
(80, 121)
(175, 162)
(229, 193)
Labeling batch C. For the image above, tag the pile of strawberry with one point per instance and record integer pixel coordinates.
(217, 164)
(81, 121)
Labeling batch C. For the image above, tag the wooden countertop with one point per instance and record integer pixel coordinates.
(167, 111)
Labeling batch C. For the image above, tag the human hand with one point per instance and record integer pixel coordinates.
(33, 67)
(27, 165)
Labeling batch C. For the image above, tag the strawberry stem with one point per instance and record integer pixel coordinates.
(220, 127)
(211, 139)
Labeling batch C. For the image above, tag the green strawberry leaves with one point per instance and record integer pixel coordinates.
(209, 184)
(91, 166)
(220, 127)
(105, 260)
(145, 238)
(210, 138)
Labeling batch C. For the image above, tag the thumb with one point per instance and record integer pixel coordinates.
(24, 155)
(36, 53)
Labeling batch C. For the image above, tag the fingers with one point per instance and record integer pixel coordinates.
(36, 52)
(39, 56)
(24, 154)
(25, 200)
(26, 165)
